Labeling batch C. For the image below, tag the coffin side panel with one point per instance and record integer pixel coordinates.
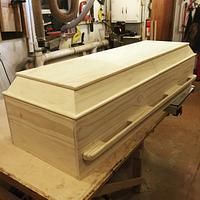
(134, 138)
(111, 118)
(104, 91)
(46, 135)
(43, 95)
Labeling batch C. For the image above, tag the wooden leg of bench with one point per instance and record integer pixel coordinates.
(5, 195)
(137, 166)
(119, 186)
(10, 183)
(129, 176)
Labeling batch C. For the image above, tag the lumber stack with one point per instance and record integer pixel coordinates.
(75, 114)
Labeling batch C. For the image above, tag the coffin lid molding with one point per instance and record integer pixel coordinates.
(76, 87)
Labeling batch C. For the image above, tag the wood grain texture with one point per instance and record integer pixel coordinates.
(71, 128)
(109, 121)
(10, 17)
(97, 95)
(102, 146)
(55, 99)
(88, 98)
(83, 71)
(163, 13)
(52, 183)
(44, 134)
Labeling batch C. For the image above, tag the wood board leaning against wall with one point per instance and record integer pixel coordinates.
(163, 13)
(17, 50)
(75, 114)
(10, 17)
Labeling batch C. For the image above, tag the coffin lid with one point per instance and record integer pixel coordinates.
(78, 86)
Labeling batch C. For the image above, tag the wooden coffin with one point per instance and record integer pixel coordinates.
(76, 113)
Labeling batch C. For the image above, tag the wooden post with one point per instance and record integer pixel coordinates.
(119, 186)
(5, 195)
(151, 31)
(135, 164)
(155, 30)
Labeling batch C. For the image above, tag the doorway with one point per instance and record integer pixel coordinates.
(163, 12)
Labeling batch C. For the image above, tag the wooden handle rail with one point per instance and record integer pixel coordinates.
(101, 146)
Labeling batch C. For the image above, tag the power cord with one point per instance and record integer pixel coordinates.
(5, 71)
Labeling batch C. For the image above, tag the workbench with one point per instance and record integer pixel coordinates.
(42, 181)
(89, 121)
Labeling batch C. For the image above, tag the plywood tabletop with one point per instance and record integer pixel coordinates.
(4, 127)
(50, 182)
(79, 72)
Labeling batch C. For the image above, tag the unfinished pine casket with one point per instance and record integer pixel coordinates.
(76, 113)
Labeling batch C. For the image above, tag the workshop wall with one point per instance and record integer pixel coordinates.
(99, 28)
(178, 28)
(12, 53)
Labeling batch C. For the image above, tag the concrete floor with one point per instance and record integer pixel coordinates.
(171, 159)
(172, 156)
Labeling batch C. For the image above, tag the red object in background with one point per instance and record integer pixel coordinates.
(81, 7)
(50, 29)
(148, 27)
(55, 33)
(197, 70)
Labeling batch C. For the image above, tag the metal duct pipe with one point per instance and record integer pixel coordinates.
(76, 21)
(62, 16)
(38, 19)
(72, 51)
